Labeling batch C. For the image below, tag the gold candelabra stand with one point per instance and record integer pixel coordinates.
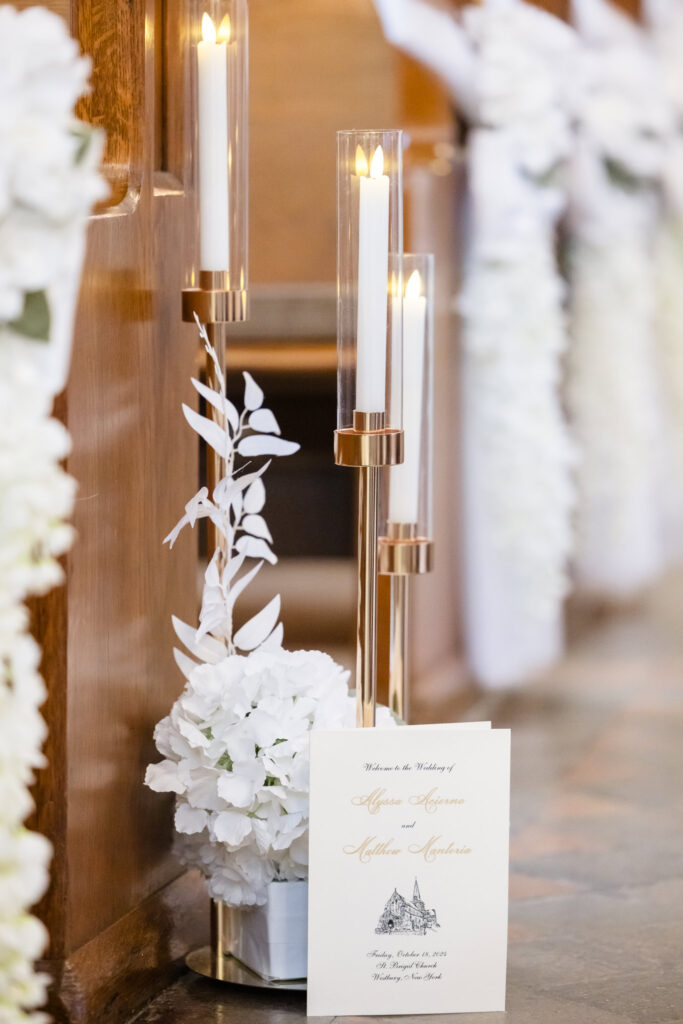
(402, 554)
(368, 446)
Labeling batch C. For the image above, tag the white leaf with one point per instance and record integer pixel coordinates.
(265, 444)
(236, 502)
(264, 421)
(208, 649)
(255, 631)
(173, 535)
(227, 487)
(211, 577)
(253, 547)
(257, 527)
(197, 508)
(255, 497)
(240, 585)
(244, 481)
(185, 664)
(212, 620)
(219, 402)
(253, 396)
(208, 431)
(234, 565)
(194, 505)
(274, 641)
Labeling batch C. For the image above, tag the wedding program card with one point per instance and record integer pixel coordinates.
(408, 873)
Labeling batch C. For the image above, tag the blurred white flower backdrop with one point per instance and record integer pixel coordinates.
(518, 453)
(612, 387)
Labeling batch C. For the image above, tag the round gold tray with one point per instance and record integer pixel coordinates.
(201, 961)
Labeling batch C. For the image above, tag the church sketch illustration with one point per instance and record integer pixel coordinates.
(402, 917)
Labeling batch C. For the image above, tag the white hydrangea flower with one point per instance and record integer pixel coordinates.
(236, 754)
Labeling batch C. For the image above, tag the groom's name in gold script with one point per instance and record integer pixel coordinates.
(432, 849)
(430, 801)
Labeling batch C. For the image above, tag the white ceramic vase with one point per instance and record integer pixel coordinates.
(272, 940)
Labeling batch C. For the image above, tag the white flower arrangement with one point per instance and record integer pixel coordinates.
(235, 745)
(612, 389)
(48, 182)
(235, 750)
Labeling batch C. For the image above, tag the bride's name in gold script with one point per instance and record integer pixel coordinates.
(435, 847)
(430, 801)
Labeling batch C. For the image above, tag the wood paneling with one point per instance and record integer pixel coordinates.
(315, 68)
(109, 31)
(110, 977)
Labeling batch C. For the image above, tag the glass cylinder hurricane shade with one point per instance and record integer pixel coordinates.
(216, 161)
(407, 504)
(370, 241)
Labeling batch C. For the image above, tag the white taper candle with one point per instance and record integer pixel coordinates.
(373, 274)
(212, 74)
(404, 481)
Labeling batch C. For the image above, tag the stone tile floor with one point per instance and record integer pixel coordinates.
(596, 885)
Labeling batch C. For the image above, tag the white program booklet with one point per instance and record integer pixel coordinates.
(408, 874)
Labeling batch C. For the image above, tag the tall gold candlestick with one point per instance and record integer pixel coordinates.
(368, 446)
(369, 377)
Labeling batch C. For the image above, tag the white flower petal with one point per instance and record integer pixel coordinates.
(231, 827)
(190, 820)
(163, 778)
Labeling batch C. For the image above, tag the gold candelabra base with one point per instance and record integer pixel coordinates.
(368, 446)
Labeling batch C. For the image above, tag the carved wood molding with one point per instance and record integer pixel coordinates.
(111, 977)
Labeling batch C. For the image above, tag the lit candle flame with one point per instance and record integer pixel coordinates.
(208, 29)
(414, 286)
(377, 165)
(361, 162)
(225, 30)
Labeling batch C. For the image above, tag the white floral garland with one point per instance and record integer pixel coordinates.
(666, 21)
(512, 298)
(48, 183)
(612, 387)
